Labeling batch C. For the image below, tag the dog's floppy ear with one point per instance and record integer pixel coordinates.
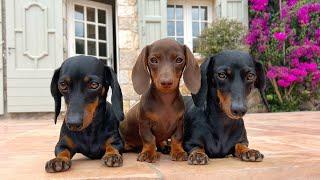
(140, 75)
(191, 74)
(116, 98)
(200, 98)
(260, 82)
(56, 94)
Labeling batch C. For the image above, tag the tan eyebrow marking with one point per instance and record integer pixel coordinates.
(86, 79)
(67, 79)
(229, 71)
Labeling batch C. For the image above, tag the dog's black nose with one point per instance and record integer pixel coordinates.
(74, 122)
(166, 83)
(74, 126)
(238, 110)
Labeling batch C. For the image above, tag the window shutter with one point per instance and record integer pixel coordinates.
(152, 20)
(233, 9)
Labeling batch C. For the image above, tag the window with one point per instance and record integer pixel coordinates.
(199, 23)
(185, 21)
(91, 30)
(175, 23)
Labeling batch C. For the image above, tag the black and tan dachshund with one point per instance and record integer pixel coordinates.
(90, 126)
(214, 127)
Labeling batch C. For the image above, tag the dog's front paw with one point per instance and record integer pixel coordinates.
(251, 156)
(148, 156)
(58, 165)
(112, 160)
(198, 158)
(179, 155)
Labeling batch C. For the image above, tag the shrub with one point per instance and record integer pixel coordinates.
(287, 41)
(220, 35)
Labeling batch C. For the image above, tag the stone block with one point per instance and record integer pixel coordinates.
(127, 11)
(124, 77)
(128, 58)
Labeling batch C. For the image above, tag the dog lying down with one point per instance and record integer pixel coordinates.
(90, 126)
(213, 121)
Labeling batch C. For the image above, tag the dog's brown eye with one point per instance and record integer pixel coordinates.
(179, 60)
(154, 60)
(251, 77)
(222, 75)
(63, 86)
(94, 85)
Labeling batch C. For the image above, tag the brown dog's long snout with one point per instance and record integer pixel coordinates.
(166, 83)
(166, 76)
(166, 80)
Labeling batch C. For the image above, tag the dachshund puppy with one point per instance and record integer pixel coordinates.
(159, 114)
(213, 124)
(90, 126)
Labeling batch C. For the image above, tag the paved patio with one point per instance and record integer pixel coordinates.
(289, 141)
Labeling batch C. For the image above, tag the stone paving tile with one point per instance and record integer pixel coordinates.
(289, 141)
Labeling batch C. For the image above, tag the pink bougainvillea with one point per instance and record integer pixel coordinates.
(291, 3)
(288, 43)
(280, 36)
(259, 5)
(304, 12)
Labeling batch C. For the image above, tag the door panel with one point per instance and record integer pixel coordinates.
(35, 49)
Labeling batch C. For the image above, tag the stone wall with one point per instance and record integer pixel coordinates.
(128, 34)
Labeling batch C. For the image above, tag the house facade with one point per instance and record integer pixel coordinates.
(37, 35)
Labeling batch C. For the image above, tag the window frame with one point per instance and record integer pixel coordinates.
(187, 15)
(199, 21)
(110, 61)
(175, 20)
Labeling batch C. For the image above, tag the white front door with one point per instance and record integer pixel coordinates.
(90, 30)
(34, 50)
